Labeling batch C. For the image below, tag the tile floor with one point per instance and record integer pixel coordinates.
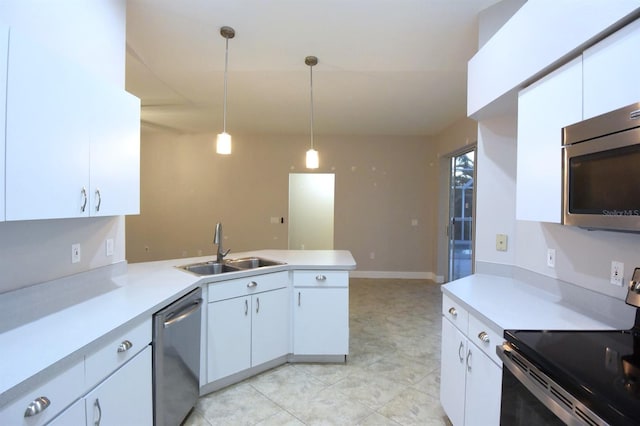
(391, 376)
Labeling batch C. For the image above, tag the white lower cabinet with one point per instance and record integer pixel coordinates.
(321, 321)
(125, 397)
(249, 329)
(321, 313)
(112, 385)
(470, 377)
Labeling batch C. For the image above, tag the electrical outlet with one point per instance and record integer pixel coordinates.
(551, 258)
(617, 273)
(501, 242)
(75, 253)
(372, 255)
(108, 247)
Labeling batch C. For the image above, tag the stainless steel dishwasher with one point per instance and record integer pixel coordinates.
(176, 359)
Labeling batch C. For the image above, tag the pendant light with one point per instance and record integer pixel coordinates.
(313, 162)
(223, 141)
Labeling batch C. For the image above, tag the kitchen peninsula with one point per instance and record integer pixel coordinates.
(118, 301)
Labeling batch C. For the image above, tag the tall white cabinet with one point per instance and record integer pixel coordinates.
(4, 57)
(611, 72)
(72, 140)
(544, 108)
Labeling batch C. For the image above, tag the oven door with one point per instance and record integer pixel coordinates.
(531, 398)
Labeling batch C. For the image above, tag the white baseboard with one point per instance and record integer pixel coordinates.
(397, 274)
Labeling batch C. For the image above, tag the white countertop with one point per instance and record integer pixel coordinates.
(508, 303)
(61, 338)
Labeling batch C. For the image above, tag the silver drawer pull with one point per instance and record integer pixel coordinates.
(453, 312)
(321, 278)
(252, 284)
(37, 406)
(483, 336)
(125, 346)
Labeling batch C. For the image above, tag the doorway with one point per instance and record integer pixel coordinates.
(311, 200)
(461, 209)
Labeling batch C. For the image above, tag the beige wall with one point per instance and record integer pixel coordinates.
(382, 183)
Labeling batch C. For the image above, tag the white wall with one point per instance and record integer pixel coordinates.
(91, 32)
(495, 189)
(583, 257)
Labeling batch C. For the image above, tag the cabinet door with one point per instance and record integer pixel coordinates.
(47, 134)
(453, 372)
(321, 321)
(611, 70)
(228, 337)
(72, 416)
(4, 52)
(270, 326)
(125, 397)
(483, 389)
(115, 153)
(544, 108)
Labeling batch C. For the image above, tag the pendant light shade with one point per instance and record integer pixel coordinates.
(223, 141)
(312, 160)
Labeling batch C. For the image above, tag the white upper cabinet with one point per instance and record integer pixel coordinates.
(544, 108)
(47, 153)
(68, 136)
(4, 52)
(115, 154)
(611, 69)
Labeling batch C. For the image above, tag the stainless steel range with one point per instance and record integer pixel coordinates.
(573, 377)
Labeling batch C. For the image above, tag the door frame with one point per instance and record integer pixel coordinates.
(444, 214)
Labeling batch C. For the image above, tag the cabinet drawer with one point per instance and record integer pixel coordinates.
(60, 391)
(319, 278)
(454, 311)
(484, 338)
(249, 285)
(116, 352)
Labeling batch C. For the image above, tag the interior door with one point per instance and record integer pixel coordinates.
(461, 208)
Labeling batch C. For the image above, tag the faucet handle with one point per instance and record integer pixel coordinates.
(226, 252)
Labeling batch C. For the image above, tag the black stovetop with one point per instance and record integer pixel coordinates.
(601, 368)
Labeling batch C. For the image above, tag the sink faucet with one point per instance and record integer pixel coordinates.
(217, 239)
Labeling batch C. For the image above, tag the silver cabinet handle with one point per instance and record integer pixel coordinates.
(257, 305)
(83, 192)
(461, 351)
(453, 312)
(99, 197)
(124, 346)
(252, 284)
(469, 357)
(96, 404)
(246, 307)
(37, 406)
(298, 298)
(483, 336)
(321, 278)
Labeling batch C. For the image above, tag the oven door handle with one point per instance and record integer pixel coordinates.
(553, 396)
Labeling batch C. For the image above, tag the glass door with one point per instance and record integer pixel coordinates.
(460, 229)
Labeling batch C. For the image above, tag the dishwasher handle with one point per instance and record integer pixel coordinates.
(175, 317)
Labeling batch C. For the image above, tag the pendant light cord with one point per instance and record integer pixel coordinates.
(224, 107)
(311, 88)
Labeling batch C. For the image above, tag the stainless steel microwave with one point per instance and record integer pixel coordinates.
(601, 171)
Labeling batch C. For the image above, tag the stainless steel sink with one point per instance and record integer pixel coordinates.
(208, 268)
(230, 265)
(251, 262)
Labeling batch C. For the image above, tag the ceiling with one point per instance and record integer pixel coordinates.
(385, 67)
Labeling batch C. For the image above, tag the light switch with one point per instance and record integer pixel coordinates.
(501, 242)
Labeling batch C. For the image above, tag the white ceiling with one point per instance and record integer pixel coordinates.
(385, 67)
